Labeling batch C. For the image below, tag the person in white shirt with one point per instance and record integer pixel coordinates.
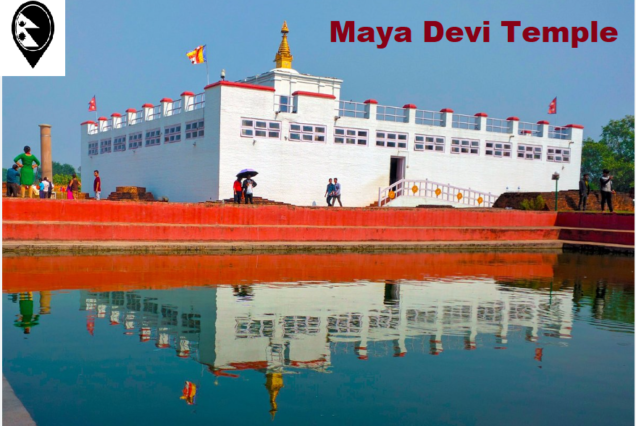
(606, 191)
(336, 193)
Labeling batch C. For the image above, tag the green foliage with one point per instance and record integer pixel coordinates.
(536, 204)
(63, 169)
(63, 180)
(614, 151)
(4, 174)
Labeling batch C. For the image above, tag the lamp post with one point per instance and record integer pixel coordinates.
(555, 178)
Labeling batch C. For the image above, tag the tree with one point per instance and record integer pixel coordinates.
(4, 174)
(614, 151)
(62, 169)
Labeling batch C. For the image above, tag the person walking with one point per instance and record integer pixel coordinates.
(238, 191)
(336, 193)
(27, 172)
(13, 181)
(248, 189)
(75, 186)
(606, 191)
(97, 185)
(584, 191)
(44, 188)
(329, 193)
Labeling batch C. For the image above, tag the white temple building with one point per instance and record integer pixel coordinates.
(297, 132)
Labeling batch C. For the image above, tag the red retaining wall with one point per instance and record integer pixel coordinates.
(597, 236)
(622, 222)
(178, 213)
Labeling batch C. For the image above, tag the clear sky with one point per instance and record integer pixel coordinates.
(128, 53)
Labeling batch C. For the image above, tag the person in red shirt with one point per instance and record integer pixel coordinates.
(97, 185)
(238, 191)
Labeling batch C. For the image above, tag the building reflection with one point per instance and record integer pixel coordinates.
(277, 330)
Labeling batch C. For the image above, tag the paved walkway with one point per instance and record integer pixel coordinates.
(13, 412)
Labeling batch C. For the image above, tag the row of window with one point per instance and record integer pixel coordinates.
(171, 134)
(315, 133)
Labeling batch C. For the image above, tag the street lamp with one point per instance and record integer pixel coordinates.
(223, 74)
(555, 178)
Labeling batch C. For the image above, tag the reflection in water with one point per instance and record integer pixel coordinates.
(279, 329)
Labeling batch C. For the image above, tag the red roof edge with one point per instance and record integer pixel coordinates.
(187, 94)
(147, 106)
(241, 85)
(446, 110)
(371, 101)
(166, 100)
(115, 114)
(88, 122)
(481, 114)
(313, 94)
(103, 119)
(131, 110)
(575, 126)
(512, 118)
(410, 106)
(543, 122)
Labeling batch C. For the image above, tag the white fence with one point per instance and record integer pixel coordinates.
(434, 190)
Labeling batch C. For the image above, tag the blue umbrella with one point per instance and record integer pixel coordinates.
(245, 173)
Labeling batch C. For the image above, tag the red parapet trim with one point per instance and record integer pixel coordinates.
(313, 94)
(115, 114)
(166, 100)
(103, 119)
(187, 94)
(543, 122)
(131, 110)
(512, 118)
(240, 85)
(147, 106)
(481, 114)
(574, 126)
(409, 106)
(88, 122)
(371, 101)
(446, 110)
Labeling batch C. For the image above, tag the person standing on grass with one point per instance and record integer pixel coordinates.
(606, 191)
(97, 185)
(584, 191)
(238, 191)
(336, 193)
(329, 194)
(248, 189)
(13, 181)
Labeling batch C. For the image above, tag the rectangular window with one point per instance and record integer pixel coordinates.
(391, 140)
(105, 146)
(499, 149)
(429, 143)
(465, 146)
(92, 148)
(350, 136)
(307, 132)
(119, 143)
(558, 155)
(194, 129)
(134, 140)
(153, 137)
(529, 152)
(260, 129)
(172, 134)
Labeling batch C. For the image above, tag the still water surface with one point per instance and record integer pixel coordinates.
(410, 339)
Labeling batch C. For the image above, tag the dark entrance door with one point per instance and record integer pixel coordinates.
(396, 173)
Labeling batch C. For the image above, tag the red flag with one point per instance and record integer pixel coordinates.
(552, 107)
(92, 105)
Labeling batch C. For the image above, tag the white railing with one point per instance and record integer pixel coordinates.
(124, 121)
(175, 108)
(137, 118)
(529, 129)
(155, 114)
(199, 101)
(498, 125)
(108, 125)
(352, 109)
(283, 103)
(468, 122)
(435, 190)
(556, 132)
(428, 118)
(389, 113)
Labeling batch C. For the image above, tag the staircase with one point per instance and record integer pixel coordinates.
(415, 192)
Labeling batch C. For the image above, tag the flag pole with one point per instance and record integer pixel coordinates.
(207, 69)
(95, 109)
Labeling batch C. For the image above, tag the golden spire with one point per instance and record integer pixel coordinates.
(273, 383)
(283, 57)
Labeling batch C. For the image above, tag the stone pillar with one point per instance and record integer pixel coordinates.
(447, 117)
(409, 113)
(371, 109)
(482, 119)
(45, 151)
(543, 128)
(513, 123)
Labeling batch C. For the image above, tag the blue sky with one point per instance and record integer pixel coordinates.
(129, 53)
